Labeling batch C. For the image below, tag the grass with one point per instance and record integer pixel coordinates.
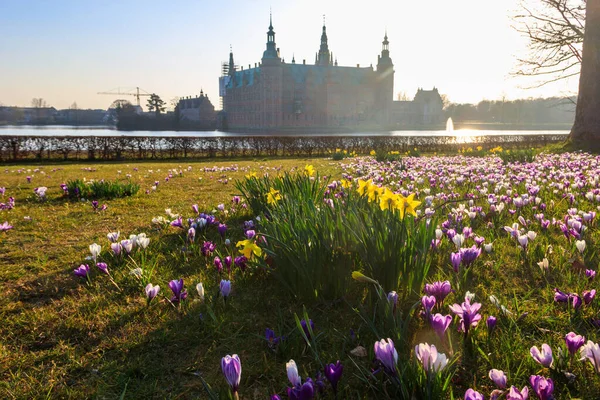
(62, 338)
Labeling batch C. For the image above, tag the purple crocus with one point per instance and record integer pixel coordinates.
(250, 233)
(455, 259)
(473, 395)
(590, 273)
(560, 296)
(195, 209)
(82, 271)
(469, 255)
(218, 264)
(179, 293)
(5, 226)
(151, 291)
(222, 229)
(103, 267)
(116, 248)
(225, 288)
(575, 301)
(305, 326)
(588, 296)
(543, 357)
(191, 235)
(305, 391)
(491, 322)
(498, 377)
(232, 369)
(468, 314)
(440, 324)
(178, 223)
(574, 342)
(208, 248)
(227, 260)
(241, 262)
(428, 302)
(515, 394)
(439, 290)
(272, 339)
(543, 387)
(387, 355)
(333, 373)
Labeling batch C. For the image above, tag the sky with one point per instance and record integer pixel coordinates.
(67, 51)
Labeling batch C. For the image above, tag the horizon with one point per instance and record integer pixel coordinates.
(68, 52)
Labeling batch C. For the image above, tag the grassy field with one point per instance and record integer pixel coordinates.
(65, 338)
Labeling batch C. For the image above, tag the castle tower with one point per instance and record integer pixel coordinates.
(271, 82)
(324, 57)
(385, 71)
(231, 63)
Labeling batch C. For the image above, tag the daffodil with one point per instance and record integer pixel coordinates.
(409, 205)
(251, 175)
(372, 152)
(346, 183)
(309, 170)
(363, 186)
(389, 200)
(248, 247)
(273, 196)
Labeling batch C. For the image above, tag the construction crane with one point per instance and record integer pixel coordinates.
(136, 93)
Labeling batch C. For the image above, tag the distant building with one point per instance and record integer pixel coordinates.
(275, 95)
(28, 115)
(196, 112)
(425, 109)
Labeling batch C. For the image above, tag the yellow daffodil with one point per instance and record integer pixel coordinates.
(359, 276)
(373, 191)
(273, 196)
(410, 204)
(309, 170)
(363, 186)
(248, 248)
(372, 152)
(251, 175)
(346, 183)
(389, 200)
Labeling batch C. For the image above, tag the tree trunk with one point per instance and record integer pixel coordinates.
(585, 133)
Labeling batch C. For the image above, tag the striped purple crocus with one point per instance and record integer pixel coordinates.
(232, 370)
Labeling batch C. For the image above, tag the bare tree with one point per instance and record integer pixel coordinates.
(586, 129)
(38, 103)
(555, 29)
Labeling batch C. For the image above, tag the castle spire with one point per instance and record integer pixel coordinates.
(231, 63)
(271, 51)
(324, 57)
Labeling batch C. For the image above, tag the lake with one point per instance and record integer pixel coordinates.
(102, 131)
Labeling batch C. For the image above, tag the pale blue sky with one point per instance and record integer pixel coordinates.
(67, 50)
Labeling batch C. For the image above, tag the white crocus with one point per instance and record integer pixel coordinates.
(200, 290)
(544, 264)
(292, 373)
(95, 250)
(591, 351)
(580, 244)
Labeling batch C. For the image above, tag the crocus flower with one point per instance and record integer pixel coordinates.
(542, 387)
(590, 273)
(218, 264)
(515, 394)
(151, 291)
(473, 395)
(222, 229)
(178, 223)
(469, 255)
(272, 339)
(455, 259)
(95, 250)
(333, 373)
(591, 352)
(575, 301)
(103, 267)
(191, 235)
(543, 357)
(305, 326)
(208, 248)
(574, 342)
(232, 369)
(439, 290)
(82, 271)
(179, 293)
(306, 391)
(195, 208)
(588, 296)
(428, 303)
(225, 288)
(5, 226)
(116, 248)
(142, 241)
(292, 373)
(127, 245)
(227, 260)
(580, 244)
(499, 378)
(430, 359)
(491, 323)
(440, 324)
(392, 298)
(200, 290)
(560, 296)
(250, 233)
(468, 314)
(386, 354)
(113, 237)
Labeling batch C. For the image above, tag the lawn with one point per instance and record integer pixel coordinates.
(66, 336)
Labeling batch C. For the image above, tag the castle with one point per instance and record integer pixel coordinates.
(280, 96)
